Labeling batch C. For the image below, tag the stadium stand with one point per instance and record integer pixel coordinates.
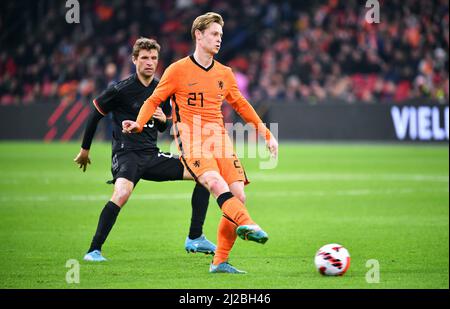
(305, 51)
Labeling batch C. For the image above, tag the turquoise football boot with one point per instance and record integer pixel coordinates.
(94, 256)
(199, 244)
(226, 268)
(252, 232)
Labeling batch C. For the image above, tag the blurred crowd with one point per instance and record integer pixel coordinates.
(306, 51)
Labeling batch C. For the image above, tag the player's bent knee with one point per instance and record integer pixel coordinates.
(214, 182)
(208, 179)
(120, 196)
(122, 191)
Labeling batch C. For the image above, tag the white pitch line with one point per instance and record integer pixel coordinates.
(187, 196)
(277, 177)
(54, 178)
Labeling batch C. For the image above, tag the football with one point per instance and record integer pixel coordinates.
(332, 260)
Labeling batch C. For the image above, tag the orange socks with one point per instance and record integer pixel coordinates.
(234, 214)
(226, 235)
(236, 211)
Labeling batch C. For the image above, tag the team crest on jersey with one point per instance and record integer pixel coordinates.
(220, 84)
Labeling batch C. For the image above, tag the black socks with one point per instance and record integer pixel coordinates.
(221, 199)
(105, 223)
(108, 216)
(199, 201)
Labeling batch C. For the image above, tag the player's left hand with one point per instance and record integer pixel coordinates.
(82, 159)
(272, 145)
(159, 115)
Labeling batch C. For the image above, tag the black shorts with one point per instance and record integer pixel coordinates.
(136, 165)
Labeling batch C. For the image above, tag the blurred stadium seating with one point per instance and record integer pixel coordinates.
(305, 51)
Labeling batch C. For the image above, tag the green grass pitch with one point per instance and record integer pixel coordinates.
(384, 202)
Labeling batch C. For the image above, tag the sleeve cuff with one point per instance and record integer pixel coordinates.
(97, 107)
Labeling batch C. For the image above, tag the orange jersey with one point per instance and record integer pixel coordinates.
(198, 93)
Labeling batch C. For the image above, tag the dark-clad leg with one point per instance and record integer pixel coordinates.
(108, 216)
(125, 167)
(106, 221)
(164, 167)
(199, 202)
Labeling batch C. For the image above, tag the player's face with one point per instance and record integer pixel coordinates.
(146, 62)
(211, 39)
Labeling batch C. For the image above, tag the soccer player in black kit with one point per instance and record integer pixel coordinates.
(136, 156)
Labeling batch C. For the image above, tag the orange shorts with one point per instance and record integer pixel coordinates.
(211, 153)
(229, 168)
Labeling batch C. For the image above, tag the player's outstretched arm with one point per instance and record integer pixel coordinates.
(82, 157)
(145, 114)
(249, 115)
(247, 112)
(166, 87)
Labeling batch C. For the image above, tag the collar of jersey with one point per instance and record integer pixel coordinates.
(202, 67)
(140, 83)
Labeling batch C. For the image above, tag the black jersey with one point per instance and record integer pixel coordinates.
(124, 101)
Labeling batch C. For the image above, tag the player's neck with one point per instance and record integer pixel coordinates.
(144, 80)
(202, 58)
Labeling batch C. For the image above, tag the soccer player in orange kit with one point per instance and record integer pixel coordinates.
(198, 84)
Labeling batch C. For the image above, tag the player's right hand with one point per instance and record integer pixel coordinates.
(83, 159)
(129, 126)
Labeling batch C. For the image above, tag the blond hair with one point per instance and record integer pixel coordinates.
(144, 43)
(203, 21)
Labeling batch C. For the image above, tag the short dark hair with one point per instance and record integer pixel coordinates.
(144, 43)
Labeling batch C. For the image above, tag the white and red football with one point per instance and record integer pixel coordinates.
(332, 260)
